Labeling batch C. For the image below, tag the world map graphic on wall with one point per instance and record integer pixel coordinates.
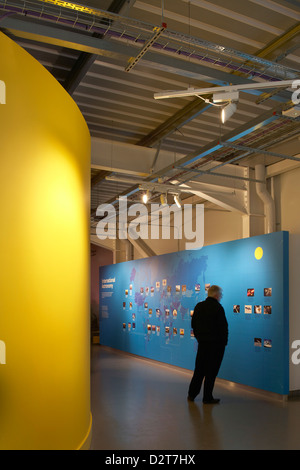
(146, 307)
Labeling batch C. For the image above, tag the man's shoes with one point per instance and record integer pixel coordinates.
(212, 401)
(190, 398)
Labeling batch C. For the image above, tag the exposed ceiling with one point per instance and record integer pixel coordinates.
(182, 44)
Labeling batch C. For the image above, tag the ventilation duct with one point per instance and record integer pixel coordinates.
(265, 196)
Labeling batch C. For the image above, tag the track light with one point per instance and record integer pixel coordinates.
(146, 197)
(232, 97)
(177, 200)
(228, 111)
(226, 89)
(163, 199)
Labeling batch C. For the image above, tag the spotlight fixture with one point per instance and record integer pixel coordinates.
(228, 111)
(145, 197)
(177, 200)
(163, 199)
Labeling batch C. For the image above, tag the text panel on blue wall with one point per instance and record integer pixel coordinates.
(146, 307)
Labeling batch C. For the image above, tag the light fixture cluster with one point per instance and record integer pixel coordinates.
(177, 200)
(163, 198)
(158, 187)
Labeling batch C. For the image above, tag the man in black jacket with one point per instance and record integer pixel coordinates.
(211, 331)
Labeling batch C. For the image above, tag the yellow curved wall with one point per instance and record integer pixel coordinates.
(44, 260)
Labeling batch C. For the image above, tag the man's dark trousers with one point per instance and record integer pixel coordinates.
(208, 361)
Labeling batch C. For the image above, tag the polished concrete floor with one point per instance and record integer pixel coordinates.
(141, 405)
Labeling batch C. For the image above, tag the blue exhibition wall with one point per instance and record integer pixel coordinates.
(146, 307)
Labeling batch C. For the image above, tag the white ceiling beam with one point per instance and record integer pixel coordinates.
(282, 167)
(217, 185)
(142, 247)
(127, 158)
(233, 203)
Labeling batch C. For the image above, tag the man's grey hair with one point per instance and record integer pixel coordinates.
(214, 290)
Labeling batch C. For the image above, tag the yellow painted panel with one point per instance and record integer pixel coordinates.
(44, 259)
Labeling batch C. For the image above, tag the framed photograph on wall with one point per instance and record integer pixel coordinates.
(267, 309)
(248, 309)
(268, 291)
(257, 342)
